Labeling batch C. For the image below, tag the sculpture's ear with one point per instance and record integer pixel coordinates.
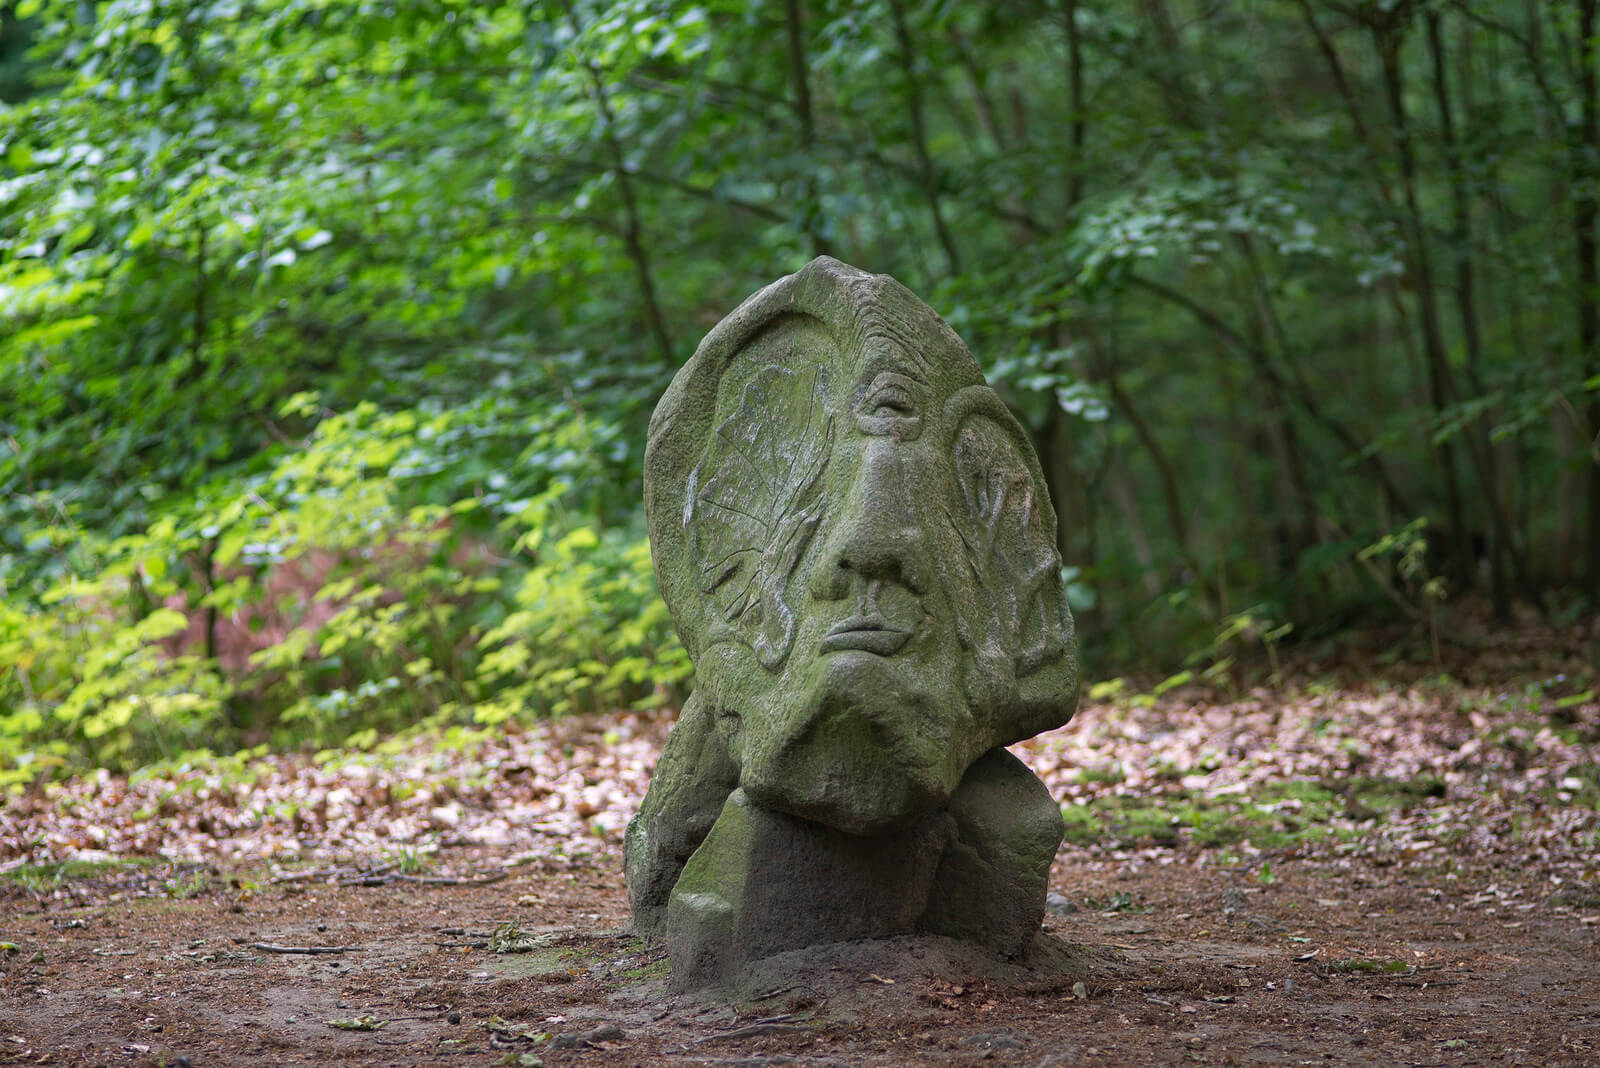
(1013, 523)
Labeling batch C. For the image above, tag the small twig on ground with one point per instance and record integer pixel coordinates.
(444, 880)
(268, 947)
(425, 880)
(330, 873)
(754, 1031)
(767, 995)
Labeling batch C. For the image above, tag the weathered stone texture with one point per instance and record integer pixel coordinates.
(856, 544)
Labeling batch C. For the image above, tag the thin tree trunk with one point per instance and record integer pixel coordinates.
(919, 135)
(1121, 487)
(208, 562)
(1079, 129)
(1167, 472)
(1584, 176)
(1461, 237)
(1285, 437)
(1180, 100)
(1441, 390)
(799, 76)
(1394, 290)
(197, 374)
(1059, 469)
(632, 228)
(1057, 455)
(198, 333)
(982, 103)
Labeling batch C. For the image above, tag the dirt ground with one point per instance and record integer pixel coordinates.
(1342, 962)
(1394, 870)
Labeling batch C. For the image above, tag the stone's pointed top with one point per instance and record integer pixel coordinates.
(844, 275)
(829, 265)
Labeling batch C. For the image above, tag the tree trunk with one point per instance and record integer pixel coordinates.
(1466, 305)
(800, 78)
(1167, 472)
(1059, 469)
(632, 228)
(1584, 177)
(1441, 382)
(1075, 104)
(919, 135)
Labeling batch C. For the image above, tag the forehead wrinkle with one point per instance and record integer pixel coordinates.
(893, 315)
(910, 360)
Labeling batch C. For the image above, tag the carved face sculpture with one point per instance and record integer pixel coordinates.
(855, 541)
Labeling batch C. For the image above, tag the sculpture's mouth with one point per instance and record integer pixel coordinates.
(868, 634)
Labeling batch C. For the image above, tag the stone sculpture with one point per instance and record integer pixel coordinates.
(854, 539)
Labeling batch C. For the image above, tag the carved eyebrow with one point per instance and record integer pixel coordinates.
(891, 380)
(884, 381)
(910, 374)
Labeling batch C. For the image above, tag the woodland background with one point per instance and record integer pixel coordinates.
(329, 329)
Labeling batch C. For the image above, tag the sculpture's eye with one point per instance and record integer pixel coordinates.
(890, 406)
(892, 401)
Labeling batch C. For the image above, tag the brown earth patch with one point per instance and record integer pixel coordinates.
(1333, 962)
(1403, 872)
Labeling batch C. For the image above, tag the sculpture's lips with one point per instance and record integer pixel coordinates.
(868, 634)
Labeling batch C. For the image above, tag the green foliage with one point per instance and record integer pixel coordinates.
(1408, 548)
(342, 322)
(1121, 901)
(328, 597)
(1271, 817)
(588, 632)
(411, 859)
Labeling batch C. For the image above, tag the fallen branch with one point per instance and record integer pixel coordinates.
(268, 947)
(1427, 982)
(445, 880)
(329, 873)
(425, 880)
(754, 1031)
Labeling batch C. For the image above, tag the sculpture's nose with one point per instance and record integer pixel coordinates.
(878, 535)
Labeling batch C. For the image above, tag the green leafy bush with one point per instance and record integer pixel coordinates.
(589, 632)
(373, 577)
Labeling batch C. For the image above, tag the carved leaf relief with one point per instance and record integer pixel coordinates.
(1006, 536)
(754, 502)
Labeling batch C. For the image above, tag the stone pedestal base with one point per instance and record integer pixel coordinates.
(764, 882)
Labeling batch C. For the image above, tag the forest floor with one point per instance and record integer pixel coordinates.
(1396, 870)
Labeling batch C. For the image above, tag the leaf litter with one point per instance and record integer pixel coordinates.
(1475, 773)
(1448, 898)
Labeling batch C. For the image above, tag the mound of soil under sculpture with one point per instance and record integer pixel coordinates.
(859, 553)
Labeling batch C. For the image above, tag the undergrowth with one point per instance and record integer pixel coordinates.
(374, 577)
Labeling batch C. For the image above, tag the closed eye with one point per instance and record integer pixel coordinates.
(892, 402)
(891, 405)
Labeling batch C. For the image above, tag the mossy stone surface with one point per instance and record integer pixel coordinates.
(857, 546)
